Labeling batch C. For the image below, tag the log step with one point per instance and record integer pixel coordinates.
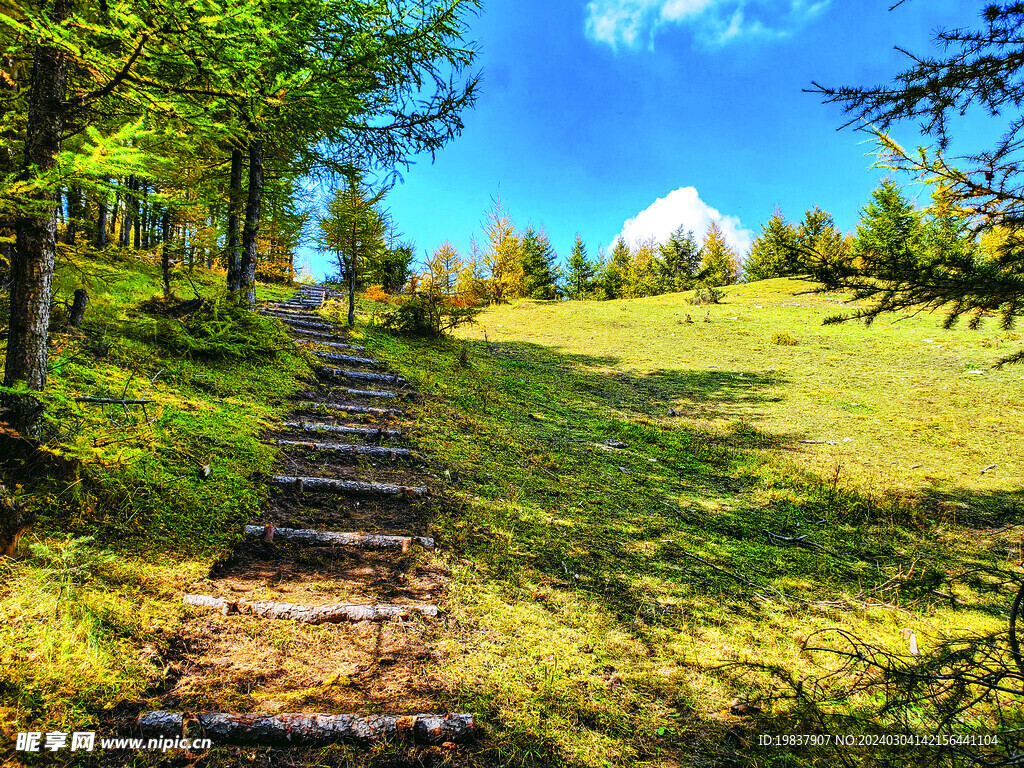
(359, 540)
(306, 325)
(383, 378)
(335, 345)
(306, 728)
(310, 405)
(356, 487)
(310, 614)
(342, 429)
(334, 357)
(377, 451)
(369, 393)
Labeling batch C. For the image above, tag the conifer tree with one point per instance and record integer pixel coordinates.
(640, 278)
(354, 228)
(538, 260)
(502, 256)
(718, 261)
(679, 261)
(818, 239)
(581, 271)
(613, 277)
(774, 251)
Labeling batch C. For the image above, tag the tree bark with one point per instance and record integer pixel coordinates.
(101, 218)
(234, 203)
(359, 540)
(165, 252)
(36, 229)
(354, 487)
(13, 523)
(309, 614)
(127, 200)
(77, 313)
(296, 729)
(251, 231)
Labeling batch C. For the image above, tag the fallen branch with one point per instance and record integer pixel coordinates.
(354, 450)
(342, 429)
(347, 486)
(309, 614)
(817, 442)
(383, 378)
(300, 728)
(359, 540)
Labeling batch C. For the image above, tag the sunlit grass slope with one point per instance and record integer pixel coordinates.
(621, 572)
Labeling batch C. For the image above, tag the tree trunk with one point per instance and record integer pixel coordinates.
(36, 229)
(137, 204)
(77, 313)
(126, 216)
(352, 292)
(101, 218)
(295, 729)
(165, 252)
(13, 523)
(251, 232)
(310, 614)
(234, 203)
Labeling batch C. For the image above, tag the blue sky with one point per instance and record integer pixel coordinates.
(663, 112)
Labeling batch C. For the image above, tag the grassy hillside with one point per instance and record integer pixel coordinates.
(612, 603)
(628, 587)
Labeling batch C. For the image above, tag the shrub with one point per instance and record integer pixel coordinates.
(783, 339)
(706, 294)
(376, 293)
(428, 314)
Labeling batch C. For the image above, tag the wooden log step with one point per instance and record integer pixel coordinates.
(369, 393)
(309, 614)
(307, 325)
(342, 429)
(306, 728)
(297, 314)
(376, 451)
(355, 487)
(309, 405)
(334, 345)
(383, 378)
(334, 357)
(360, 540)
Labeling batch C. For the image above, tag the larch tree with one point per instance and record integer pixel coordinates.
(719, 263)
(354, 228)
(502, 255)
(978, 70)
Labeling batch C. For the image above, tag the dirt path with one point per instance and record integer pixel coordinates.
(235, 663)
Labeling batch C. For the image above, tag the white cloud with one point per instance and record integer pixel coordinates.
(714, 22)
(684, 207)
